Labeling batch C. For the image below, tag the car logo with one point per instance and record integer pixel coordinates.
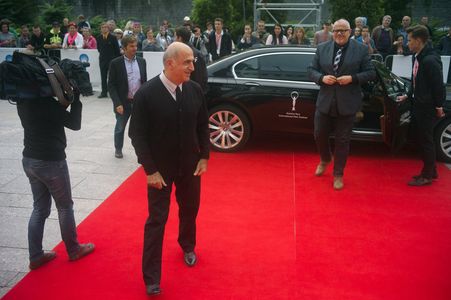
(294, 97)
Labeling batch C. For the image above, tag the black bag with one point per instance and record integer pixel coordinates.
(76, 71)
(29, 77)
(23, 78)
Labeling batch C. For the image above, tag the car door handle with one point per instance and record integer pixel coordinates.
(252, 84)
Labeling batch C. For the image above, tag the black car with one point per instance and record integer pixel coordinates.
(268, 90)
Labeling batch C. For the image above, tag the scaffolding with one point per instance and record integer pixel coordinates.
(308, 12)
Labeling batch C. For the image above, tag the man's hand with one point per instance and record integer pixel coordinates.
(120, 109)
(329, 79)
(344, 80)
(155, 180)
(201, 167)
(439, 111)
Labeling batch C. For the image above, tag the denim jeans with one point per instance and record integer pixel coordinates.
(119, 129)
(50, 179)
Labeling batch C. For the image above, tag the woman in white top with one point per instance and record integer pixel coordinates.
(277, 38)
(73, 39)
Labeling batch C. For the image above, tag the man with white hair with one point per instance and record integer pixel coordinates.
(340, 67)
(169, 131)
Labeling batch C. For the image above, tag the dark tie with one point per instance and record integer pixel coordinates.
(178, 95)
(337, 60)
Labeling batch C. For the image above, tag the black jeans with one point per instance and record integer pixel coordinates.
(424, 120)
(342, 128)
(104, 66)
(187, 194)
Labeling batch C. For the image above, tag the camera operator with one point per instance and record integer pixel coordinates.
(44, 163)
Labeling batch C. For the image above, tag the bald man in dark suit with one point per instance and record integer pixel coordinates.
(169, 131)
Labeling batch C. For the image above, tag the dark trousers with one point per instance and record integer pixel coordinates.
(50, 179)
(104, 67)
(342, 128)
(119, 129)
(188, 197)
(424, 120)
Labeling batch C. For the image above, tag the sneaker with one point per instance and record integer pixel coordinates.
(45, 258)
(84, 250)
(118, 153)
(338, 182)
(321, 168)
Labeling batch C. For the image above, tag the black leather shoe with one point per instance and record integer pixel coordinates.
(153, 289)
(420, 181)
(102, 96)
(118, 154)
(434, 177)
(190, 258)
(45, 258)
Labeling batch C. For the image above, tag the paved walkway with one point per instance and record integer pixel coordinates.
(95, 174)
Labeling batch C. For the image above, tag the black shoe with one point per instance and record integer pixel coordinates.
(190, 258)
(153, 289)
(118, 153)
(102, 96)
(434, 177)
(420, 181)
(45, 258)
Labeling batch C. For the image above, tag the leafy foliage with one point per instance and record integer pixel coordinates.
(56, 11)
(350, 9)
(18, 12)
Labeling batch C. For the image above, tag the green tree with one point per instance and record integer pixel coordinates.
(373, 10)
(55, 11)
(234, 14)
(18, 12)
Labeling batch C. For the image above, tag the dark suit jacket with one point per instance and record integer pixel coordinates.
(199, 74)
(118, 82)
(356, 63)
(168, 138)
(226, 45)
(108, 49)
(428, 88)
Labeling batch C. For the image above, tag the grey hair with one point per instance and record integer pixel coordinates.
(343, 21)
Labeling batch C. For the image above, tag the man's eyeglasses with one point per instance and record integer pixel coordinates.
(340, 31)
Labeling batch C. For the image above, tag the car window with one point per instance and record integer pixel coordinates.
(279, 66)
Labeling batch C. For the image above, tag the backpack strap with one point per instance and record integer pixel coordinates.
(57, 79)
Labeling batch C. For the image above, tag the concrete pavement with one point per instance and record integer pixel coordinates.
(95, 174)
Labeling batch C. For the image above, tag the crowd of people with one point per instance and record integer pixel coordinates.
(215, 41)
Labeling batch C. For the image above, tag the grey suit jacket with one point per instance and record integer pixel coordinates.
(356, 63)
(118, 81)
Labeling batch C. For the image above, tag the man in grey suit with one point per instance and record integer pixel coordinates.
(340, 67)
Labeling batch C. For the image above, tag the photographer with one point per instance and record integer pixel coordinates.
(199, 41)
(44, 163)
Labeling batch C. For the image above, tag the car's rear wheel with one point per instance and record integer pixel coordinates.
(443, 140)
(229, 128)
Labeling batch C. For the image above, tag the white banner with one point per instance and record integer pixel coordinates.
(7, 53)
(402, 66)
(154, 62)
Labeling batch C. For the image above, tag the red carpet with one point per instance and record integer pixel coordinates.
(269, 229)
